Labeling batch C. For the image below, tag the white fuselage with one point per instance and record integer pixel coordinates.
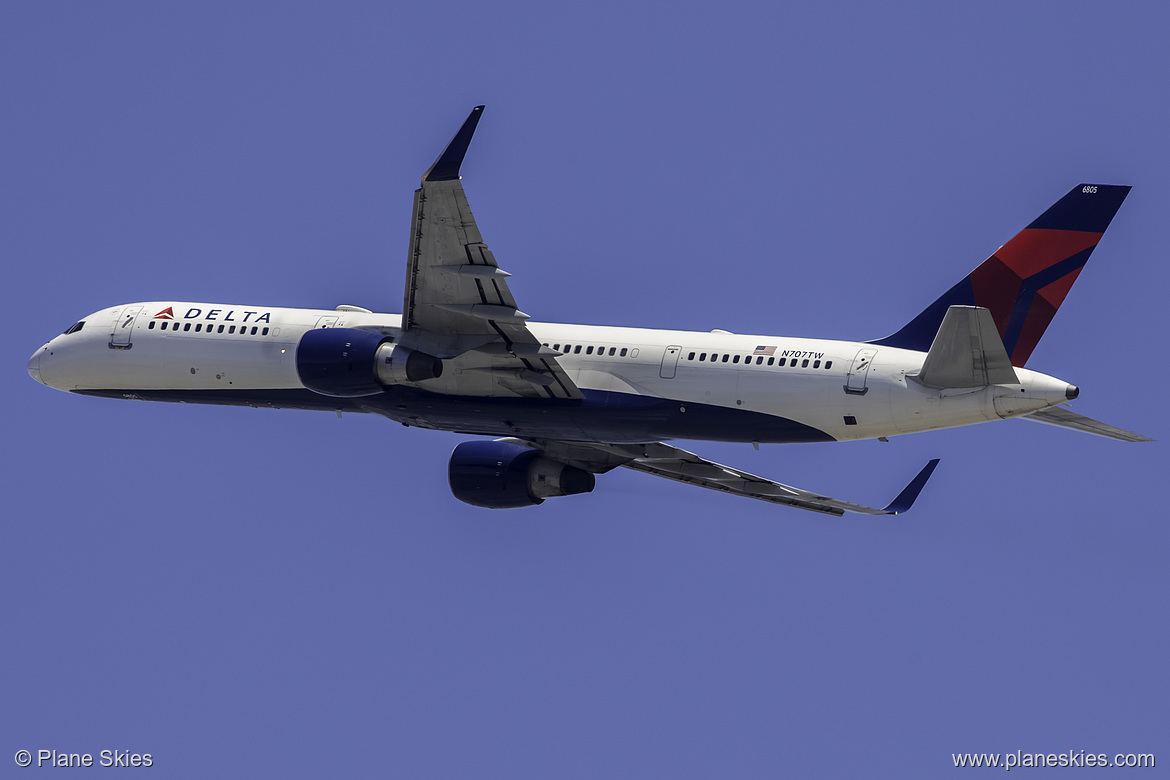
(847, 390)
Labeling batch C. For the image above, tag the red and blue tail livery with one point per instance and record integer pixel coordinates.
(1026, 280)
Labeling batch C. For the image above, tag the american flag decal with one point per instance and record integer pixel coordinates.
(769, 351)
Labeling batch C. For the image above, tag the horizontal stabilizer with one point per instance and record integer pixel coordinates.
(1065, 419)
(967, 352)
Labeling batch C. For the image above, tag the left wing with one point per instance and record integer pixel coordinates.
(663, 460)
(457, 299)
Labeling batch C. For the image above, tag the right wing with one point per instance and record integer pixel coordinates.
(1065, 419)
(663, 460)
(457, 299)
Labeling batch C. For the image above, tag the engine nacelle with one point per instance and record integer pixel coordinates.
(395, 365)
(349, 363)
(501, 475)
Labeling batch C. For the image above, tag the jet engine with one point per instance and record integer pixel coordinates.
(501, 475)
(348, 363)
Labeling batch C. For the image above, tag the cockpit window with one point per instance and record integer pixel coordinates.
(75, 327)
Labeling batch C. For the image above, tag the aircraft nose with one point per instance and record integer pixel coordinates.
(34, 365)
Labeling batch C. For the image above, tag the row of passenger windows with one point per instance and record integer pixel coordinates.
(716, 357)
(575, 349)
(210, 327)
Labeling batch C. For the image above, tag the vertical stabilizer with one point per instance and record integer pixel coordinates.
(1026, 280)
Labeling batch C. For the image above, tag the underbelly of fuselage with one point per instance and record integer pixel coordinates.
(600, 416)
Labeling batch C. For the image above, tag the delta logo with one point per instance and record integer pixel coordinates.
(228, 315)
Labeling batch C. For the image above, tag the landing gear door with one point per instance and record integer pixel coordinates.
(123, 328)
(859, 372)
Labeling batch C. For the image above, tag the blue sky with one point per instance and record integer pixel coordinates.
(252, 592)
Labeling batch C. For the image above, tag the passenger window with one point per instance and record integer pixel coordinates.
(232, 329)
(186, 326)
(760, 360)
(264, 332)
(577, 350)
(148, 327)
(771, 360)
(816, 364)
(691, 356)
(782, 362)
(702, 356)
(557, 347)
(612, 351)
(804, 363)
(198, 327)
(175, 326)
(735, 359)
(589, 350)
(254, 329)
(623, 352)
(726, 358)
(220, 329)
(828, 364)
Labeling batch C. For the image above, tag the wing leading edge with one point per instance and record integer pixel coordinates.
(664, 460)
(457, 298)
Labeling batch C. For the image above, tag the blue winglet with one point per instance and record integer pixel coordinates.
(906, 498)
(446, 168)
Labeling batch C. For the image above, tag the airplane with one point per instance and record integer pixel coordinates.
(567, 402)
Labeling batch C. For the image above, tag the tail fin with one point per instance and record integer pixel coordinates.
(1026, 280)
